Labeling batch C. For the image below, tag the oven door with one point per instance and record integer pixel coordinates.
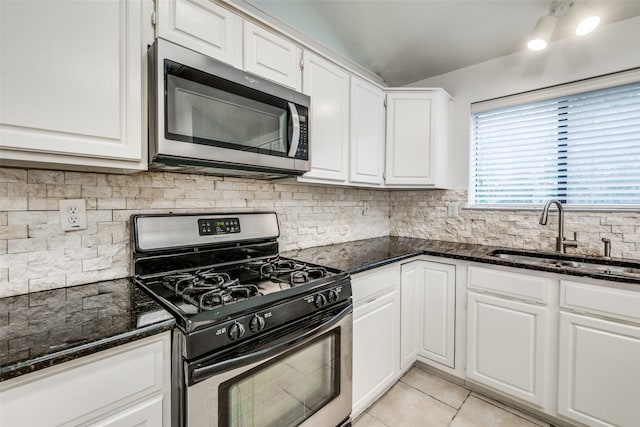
(302, 378)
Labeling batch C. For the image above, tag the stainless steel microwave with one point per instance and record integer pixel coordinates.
(210, 118)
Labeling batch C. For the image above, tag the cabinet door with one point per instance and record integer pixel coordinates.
(376, 349)
(366, 143)
(88, 388)
(506, 346)
(203, 26)
(417, 139)
(409, 313)
(328, 86)
(271, 56)
(438, 296)
(599, 371)
(71, 76)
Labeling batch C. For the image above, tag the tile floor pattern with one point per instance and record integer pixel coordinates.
(426, 400)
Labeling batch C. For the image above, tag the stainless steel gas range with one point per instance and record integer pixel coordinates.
(261, 340)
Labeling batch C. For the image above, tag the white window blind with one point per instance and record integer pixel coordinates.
(582, 149)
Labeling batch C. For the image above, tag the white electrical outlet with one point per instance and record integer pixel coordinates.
(73, 214)
(452, 210)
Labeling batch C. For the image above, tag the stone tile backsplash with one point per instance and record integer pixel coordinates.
(35, 254)
(425, 214)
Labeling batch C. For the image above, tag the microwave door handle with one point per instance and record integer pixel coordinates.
(295, 136)
(205, 371)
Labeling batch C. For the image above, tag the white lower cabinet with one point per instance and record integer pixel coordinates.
(376, 327)
(599, 359)
(511, 332)
(599, 371)
(428, 313)
(506, 346)
(124, 386)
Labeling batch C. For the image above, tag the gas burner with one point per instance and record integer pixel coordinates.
(208, 289)
(309, 273)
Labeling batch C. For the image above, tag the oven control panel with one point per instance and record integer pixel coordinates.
(260, 321)
(216, 226)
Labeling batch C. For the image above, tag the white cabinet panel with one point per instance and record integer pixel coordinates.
(410, 311)
(271, 56)
(376, 350)
(599, 371)
(203, 26)
(513, 283)
(376, 334)
(71, 80)
(418, 132)
(366, 154)
(145, 414)
(428, 305)
(506, 346)
(438, 296)
(92, 387)
(328, 87)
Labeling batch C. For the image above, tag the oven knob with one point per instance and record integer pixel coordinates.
(257, 323)
(332, 296)
(236, 330)
(320, 300)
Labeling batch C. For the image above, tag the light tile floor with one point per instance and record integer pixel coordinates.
(423, 399)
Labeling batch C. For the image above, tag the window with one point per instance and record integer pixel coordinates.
(582, 147)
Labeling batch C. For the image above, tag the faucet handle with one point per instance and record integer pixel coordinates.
(570, 243)
(607, 247)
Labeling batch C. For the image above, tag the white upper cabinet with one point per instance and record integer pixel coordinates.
(272, 57)
(418, 132)
(328, 86)
(203, 26)
(366, 153)
(71, 78)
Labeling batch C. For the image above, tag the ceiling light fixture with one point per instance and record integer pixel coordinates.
(544, 28)
(542, 32)
(587, 25)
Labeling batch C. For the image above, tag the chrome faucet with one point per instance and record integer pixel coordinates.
(561, 242)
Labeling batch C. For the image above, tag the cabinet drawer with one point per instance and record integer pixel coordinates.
(508, 283)
(72, 392)
(618, 303)
(374, 283)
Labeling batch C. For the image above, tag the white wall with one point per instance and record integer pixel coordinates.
(612, 48)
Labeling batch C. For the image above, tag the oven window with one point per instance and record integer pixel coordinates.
(206, 115)
(285, 391)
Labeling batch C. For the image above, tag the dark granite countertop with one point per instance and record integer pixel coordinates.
(362, 255)
(47, 328)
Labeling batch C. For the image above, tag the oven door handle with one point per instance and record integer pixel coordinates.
(203, 372)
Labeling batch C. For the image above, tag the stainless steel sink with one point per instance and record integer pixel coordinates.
(621, 268)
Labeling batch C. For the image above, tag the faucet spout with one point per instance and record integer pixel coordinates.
(560, 240)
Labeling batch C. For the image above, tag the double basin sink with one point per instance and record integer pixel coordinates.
(618, 268)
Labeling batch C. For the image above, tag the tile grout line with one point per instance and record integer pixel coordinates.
(435, 398)
(461, 405)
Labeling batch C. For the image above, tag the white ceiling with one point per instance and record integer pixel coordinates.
(404, 41)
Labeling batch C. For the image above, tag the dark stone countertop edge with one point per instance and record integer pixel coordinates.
(32, 365)
(465, 252)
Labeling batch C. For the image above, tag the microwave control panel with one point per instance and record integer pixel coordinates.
(218, 226)
(303, 145)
